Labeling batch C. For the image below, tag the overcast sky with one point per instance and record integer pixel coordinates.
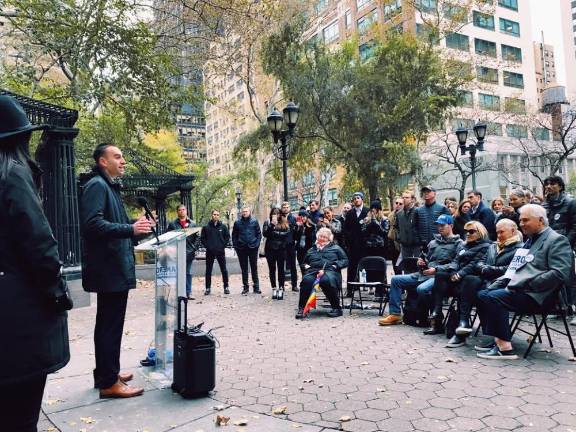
(546, 18)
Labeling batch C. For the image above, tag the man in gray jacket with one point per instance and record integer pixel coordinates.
(538, 270)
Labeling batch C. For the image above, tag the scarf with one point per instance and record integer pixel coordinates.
(514, 239)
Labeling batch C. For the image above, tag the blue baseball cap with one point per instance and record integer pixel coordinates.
(445, 220)
(360, 194)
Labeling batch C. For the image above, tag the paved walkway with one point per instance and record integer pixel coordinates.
(319, 374)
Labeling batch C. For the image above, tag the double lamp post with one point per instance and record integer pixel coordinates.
(478, 145)
(282, 128)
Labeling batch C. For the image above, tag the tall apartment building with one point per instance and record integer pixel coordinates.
(568, 16)
(545, 68)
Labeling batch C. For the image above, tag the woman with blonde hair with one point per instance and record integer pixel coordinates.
(448, 282)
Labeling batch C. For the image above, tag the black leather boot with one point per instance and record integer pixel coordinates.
(435, 325)
(464, 328)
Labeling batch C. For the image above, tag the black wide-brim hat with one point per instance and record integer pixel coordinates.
(13, 119)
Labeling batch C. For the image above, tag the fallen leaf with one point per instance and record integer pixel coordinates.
(380, 390)
(320, 385)
(449, 360)
(222, 420)
(296, 426)
(218, 408)
(255, 417)
(53, 401)
(300, 388)
(345, 418)
(365, 363)
(87, 420)
(241, 422)
(280, 410)
(51, 429)
(309, 380)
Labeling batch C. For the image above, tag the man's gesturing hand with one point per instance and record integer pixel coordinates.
(142, 226)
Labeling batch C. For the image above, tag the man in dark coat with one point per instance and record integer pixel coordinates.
(426, 216)
(183, 222)
(108, 265)
(246, 237)
(353, 235)
(406, 233)
(315, 213)
(537, 272)
(481, 213)
(215, 237)
(291, 246)
(33, 332)
(561, 212)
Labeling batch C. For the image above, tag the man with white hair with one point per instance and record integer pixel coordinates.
(538, 270)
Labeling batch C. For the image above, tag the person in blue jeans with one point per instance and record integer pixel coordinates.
(441, 251)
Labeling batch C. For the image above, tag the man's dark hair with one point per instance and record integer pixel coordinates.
(555, 180)
(475, 192)
(314, 201)
(100, 150)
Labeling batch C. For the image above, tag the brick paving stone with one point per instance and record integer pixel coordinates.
(540, 422)
(430, 425)
(351, 405)
(501, 422)
(537, 409)
(371, 414)
(318, 406)
(444, 402)
(359, 426)
(568, 419)
(395, 425)
(470, 412)
(405, 413)
(336, 415)
(304, 417)
(438, 413)
(465, 424)
(383, 404)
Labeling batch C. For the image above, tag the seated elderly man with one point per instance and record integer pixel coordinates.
(441, 251)
(324, 260)
(538, 270)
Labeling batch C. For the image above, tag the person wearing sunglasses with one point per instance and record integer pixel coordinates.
(448, 282)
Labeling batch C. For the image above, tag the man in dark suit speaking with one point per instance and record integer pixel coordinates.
(538, 270)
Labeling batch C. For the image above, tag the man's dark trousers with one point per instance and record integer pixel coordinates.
(291, 264)
(110, 313)
(221, 258)
(247, 257)
(495, 308)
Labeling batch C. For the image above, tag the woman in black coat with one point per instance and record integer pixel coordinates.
(449, 282)
(33, 330)
(462, 218)
(304, 237)
(325, 260)
(276, 230)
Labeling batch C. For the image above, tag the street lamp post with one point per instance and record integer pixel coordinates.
(238, 202)
(478, 145)
(275, 120)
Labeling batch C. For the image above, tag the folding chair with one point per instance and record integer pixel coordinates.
(558, 309)
(371, 264)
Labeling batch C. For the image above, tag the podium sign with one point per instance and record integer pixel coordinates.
(168, 256)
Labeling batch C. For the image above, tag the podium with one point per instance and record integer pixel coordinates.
(168, 256)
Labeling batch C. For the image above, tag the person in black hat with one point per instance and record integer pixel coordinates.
(375, 230)
(304, 236)
(353, 235)
(33, 330)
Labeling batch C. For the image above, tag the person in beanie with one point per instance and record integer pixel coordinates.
(246, 237)
(353, 235)
(34, 333)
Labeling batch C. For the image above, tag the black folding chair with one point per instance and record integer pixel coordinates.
(372, 265)
(538, 324)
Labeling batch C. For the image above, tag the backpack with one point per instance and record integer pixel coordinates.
(416, 309)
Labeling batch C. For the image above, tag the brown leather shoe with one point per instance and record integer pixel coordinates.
(120, 390)
(125, 377)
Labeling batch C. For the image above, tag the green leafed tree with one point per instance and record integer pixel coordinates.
(364, 112)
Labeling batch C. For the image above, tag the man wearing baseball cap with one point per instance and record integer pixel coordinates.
(441, 251)
(353, 235)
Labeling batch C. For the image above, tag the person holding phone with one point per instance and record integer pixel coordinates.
(276, 230)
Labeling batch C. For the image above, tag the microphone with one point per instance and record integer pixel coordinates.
(142, 202)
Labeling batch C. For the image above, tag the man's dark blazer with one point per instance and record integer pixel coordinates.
(353, 228)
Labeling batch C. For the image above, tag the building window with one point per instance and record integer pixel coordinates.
(509, 4)
(465, 99)
(482, 20)
(367, 21)
(510, 53)
(509, 27)
(513, 79)
(348, 20)
(367, 50)
(493, 128)
(485, 47)
(458, 41)
(455, 12)
(392, 8)
(489, 102)
(426, 33)
(514, 105)
(461, 123)
(321, 5)
(361, 3)
(541, 134)
(516, 131)
(426, 5)
(332, 196)
(331, 32)
(487, 75)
